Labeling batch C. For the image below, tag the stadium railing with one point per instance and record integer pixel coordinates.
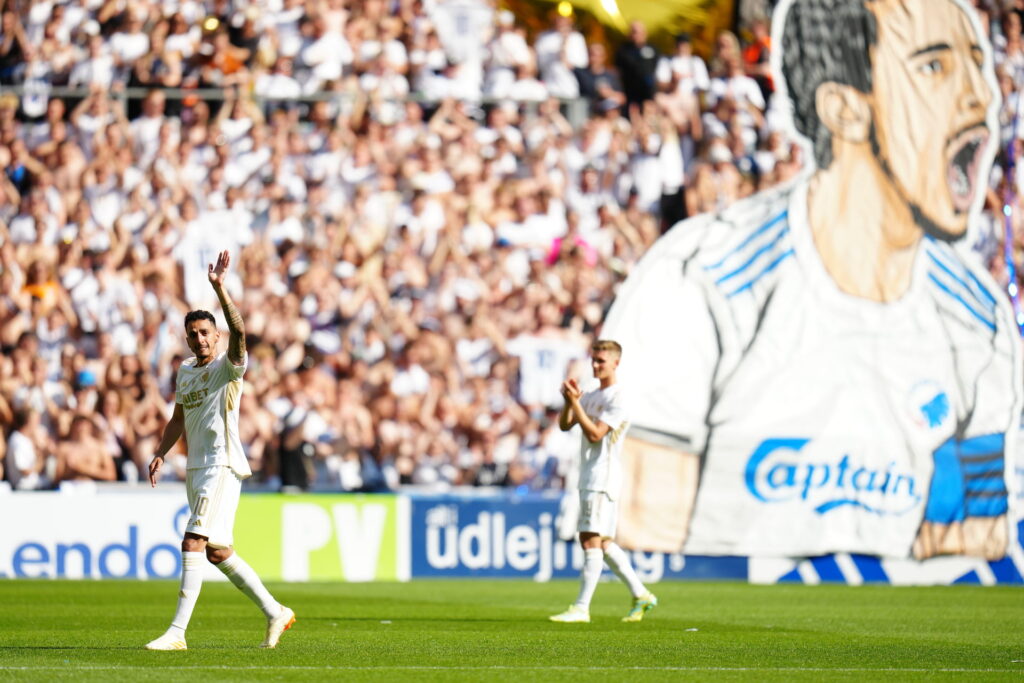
(575, 110)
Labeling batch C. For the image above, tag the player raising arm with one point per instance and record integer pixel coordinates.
(602, 418)
(208, 392)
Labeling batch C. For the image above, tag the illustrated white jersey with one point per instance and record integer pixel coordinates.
(601, 461)
(210, 396)
(825, 422)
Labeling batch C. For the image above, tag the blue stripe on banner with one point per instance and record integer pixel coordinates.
(791, 577)
(982, 445)
(757, 254)
(993, 467)
(827, 569)
(988, 305)
(771, 266)
(985, 321)
(946, 491)
(1005, 571)
(976, 286)
(970, 577)
(870, 568)
(986, 507)
(767, 226)
(980, 287)
(715, 567)
(986, 485)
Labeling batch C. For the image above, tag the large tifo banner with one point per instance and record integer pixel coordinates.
(829, 366)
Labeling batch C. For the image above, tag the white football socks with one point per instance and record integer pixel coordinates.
(593, 563)
(191, 584)
(619, 563)
(246, 580)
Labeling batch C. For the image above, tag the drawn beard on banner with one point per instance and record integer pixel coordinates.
(963, 167)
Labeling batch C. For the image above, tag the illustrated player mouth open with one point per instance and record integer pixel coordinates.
(963, 168)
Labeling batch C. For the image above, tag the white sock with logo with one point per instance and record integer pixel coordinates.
(593, 563)
(619, 563)
(246, 580)
(191, 584)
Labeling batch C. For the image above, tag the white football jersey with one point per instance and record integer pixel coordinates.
(543, 362)
(210, 397)
(818, 415)
(601, 462)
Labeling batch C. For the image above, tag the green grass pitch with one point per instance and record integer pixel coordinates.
(498, 631)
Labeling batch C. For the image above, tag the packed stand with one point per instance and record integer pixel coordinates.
(1005, 201)
(425, 245)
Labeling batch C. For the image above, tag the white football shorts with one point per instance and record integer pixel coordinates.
(599, 514)
(213, 494)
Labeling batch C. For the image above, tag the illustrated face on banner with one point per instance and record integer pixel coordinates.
(929, 109)
(907, 83)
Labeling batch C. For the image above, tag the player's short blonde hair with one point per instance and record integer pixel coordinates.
(607, 345)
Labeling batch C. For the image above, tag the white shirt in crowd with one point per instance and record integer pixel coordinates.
(286, 22)
(278, 86)
(327, 56)
(543, 363)
(507, 50)
(25, 229)
(476, 354)
(21, 460)
(184, 43)
(691, 72)
(211, 233)
(557, 55)
(463, 26)
(410, 381)
(98, 71)
(129, 47)
(743, 89)
(146, 135)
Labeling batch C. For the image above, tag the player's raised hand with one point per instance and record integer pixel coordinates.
(154, 468)
(217, 272)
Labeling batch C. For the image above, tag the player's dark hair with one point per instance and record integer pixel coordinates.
(82, 419)
(825, 41)
(21, 416)
(193, 316)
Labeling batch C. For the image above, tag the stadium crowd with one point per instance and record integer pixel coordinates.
(425, 243)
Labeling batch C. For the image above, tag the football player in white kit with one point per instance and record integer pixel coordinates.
(602, 418)
(848, 376)
(208, 391)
